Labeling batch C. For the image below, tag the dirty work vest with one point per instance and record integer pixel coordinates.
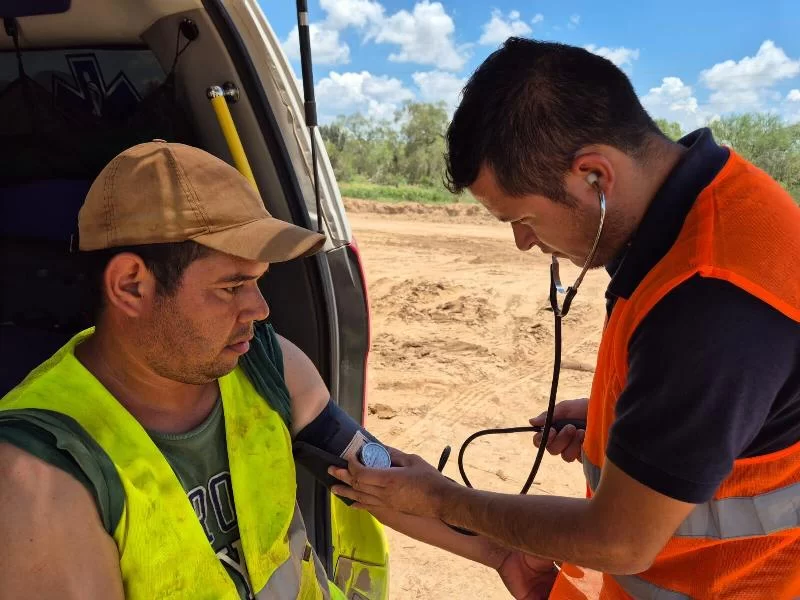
(163, 550)
(745, 542)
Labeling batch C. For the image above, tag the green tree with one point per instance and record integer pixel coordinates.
(422, 129)
(362, 148)
(672, 129)
(335, 137)
(768, 142)
(410, 149)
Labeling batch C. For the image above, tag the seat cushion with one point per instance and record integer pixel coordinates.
(43, 287)
(42, 209)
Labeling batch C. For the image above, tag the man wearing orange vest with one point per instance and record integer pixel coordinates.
(692, 445)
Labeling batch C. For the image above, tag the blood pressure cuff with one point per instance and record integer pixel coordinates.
(330, 439)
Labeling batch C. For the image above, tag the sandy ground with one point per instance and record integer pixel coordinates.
(462, 340)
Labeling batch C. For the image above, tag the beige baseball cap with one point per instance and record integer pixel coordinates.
(162, 192)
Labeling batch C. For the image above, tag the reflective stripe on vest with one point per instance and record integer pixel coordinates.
(729, 518)
(742, 517)
(591, 471)
(577, 583)
(644, 590)
(286, 581)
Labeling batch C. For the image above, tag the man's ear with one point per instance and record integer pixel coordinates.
(128, 285)
(592, 163)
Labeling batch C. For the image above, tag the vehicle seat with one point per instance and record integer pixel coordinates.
(42, 285)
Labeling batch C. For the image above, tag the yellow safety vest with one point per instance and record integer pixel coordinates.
(163, 550)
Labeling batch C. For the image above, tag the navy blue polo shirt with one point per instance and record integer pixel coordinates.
(713, 372)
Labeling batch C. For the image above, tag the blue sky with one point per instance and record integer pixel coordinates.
(690, 61)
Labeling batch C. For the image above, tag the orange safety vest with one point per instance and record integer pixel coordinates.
(745, 542)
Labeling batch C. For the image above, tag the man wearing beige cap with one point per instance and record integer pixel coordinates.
(121, 456)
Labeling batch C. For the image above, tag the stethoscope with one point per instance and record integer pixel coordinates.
(559, 312)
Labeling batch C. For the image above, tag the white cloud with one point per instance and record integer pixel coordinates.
(438, 85)
(675, 101)
(498, 29)
(766, 68)
(619, 56)
(746, 84)
(352, 13)
(738, 100)
(425, 36)
(736, 86)
(538, 18)
(574, 21)
(326, 47)
(673, 95)
(375, 96)
(791, 106)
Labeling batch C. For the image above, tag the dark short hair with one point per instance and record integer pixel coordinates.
(530, 106)
(167, 263)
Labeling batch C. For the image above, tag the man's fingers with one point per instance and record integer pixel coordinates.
(376, 477)
(399, 459)
(364, 499)
(566, 409)
(561, 440)
(538, 421)
(537, 439)
(359, 476)
(372, 490)
(340, 474)
(573, 450)
(557, 442)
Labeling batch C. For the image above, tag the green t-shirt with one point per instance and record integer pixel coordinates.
(198, 457)
(200, 460)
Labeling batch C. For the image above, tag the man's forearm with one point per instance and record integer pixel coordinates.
(435, 533)
(558, 528)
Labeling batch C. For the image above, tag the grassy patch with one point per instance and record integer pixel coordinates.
(400, 193)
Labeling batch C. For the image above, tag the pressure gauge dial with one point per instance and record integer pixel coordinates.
(375, 456)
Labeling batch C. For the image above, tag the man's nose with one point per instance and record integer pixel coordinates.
(255, 308)
(523, 236)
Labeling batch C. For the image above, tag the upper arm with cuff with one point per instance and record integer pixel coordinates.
(308, 392)
(317, 422)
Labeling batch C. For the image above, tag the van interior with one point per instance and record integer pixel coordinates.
(77, 88)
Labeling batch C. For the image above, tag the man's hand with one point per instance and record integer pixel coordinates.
(569, 441)
(411, 485)
(527, 577)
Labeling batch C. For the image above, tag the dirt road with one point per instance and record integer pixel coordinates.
(462, 340)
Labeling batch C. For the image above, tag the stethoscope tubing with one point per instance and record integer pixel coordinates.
(558, 313)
